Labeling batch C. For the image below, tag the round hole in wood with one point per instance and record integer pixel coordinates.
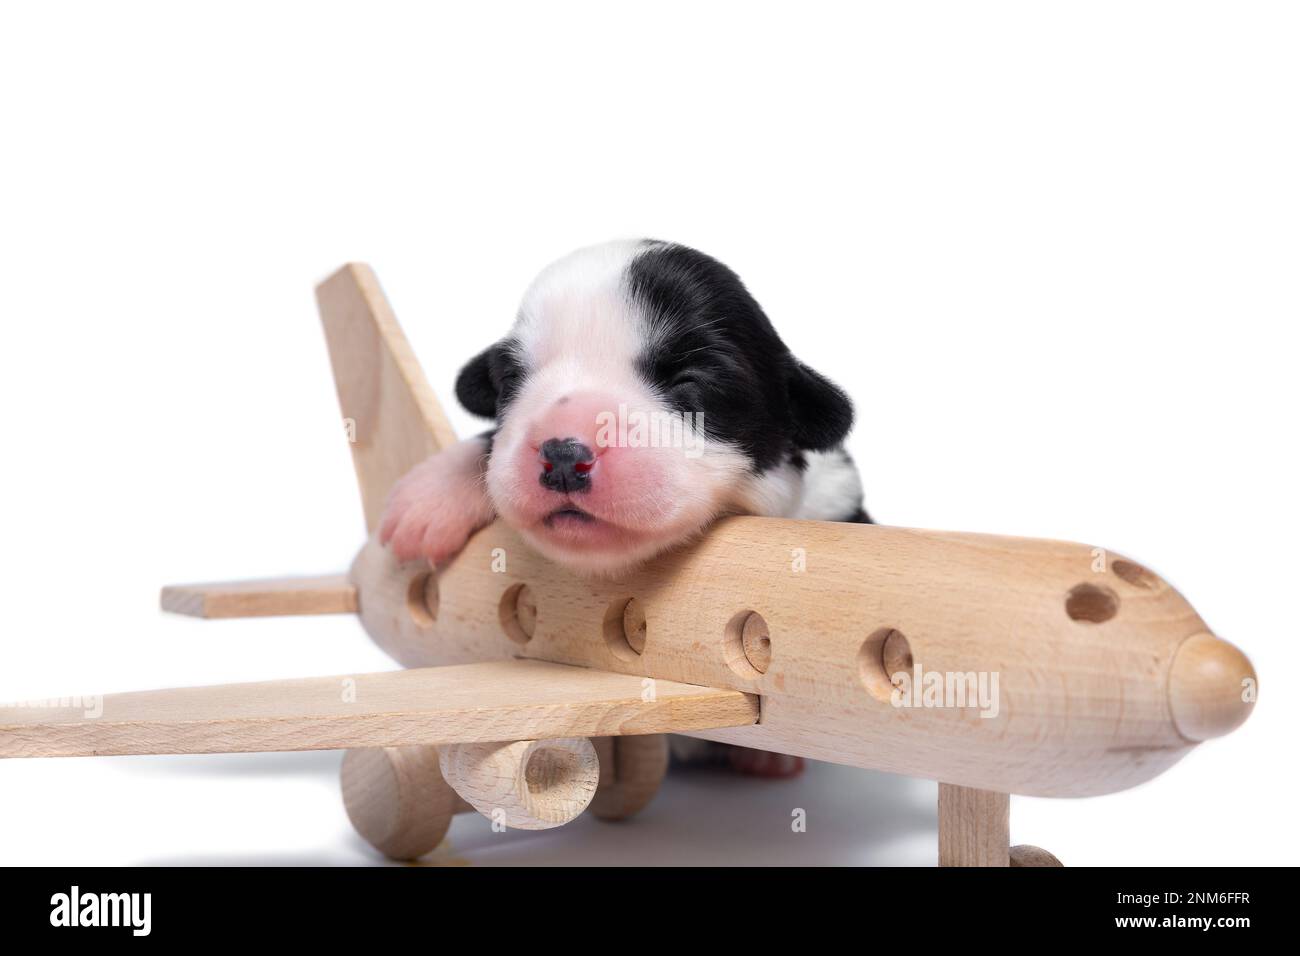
(518, 613)
(548, 768)
(1134, 574)
(422, 599)
(896, 655)
(882, 655)
(1091, 603)
(625, 629)
(747, 645)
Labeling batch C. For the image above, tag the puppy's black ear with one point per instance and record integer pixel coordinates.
(476, 386)
(821, 411)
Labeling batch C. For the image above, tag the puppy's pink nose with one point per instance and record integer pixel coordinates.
(566, 465)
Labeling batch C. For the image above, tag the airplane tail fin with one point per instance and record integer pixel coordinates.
(393, 419)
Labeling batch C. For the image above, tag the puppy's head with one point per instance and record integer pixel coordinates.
(641, 393)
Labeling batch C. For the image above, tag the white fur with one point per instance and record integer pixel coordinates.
(579, 331)
(831, 487)
(578, 310)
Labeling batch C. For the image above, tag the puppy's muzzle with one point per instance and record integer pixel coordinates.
(566, 465)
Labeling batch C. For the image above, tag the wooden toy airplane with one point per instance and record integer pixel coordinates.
(532, 694)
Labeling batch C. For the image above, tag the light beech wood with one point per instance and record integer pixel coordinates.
(397, 799)
(1105, 675)
(631, 770)
(974, 827)
(1083, 707)
(396, 422)
(1211, 687)
(269, 597)
(756, 641)
(1082, 645)
(527, 784)
(505, 700)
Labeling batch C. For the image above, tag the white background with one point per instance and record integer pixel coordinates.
(1050, 249)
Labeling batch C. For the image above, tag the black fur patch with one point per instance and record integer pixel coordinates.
(489, 380)
(821, 412)
(715, 351)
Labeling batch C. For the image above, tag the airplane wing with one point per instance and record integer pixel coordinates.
(466, 703)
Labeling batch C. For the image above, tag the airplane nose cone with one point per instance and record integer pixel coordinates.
(1212, 687)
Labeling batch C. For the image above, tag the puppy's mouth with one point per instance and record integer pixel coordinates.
(568, 516)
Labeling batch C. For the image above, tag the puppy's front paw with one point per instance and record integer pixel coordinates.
(432, 511)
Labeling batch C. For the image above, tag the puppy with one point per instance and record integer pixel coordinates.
(641, 394)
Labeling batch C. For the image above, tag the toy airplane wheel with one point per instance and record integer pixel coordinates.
(631, 770)
(1025, 855)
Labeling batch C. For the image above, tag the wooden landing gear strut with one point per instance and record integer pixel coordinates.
(401, 800)
(975, 830)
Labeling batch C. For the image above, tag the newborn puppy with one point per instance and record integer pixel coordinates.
(641, 394)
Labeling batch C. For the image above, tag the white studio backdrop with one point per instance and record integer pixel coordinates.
(1050, 249)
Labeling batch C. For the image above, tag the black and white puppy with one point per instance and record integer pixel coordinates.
(641, 394)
